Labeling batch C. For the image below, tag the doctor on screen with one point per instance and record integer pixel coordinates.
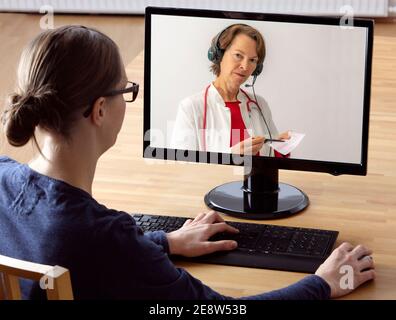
(224, 117)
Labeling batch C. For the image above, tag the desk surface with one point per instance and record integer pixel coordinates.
(361, 208)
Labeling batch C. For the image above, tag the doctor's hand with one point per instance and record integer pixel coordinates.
(249, 146)
(191, 240)
(284, 135)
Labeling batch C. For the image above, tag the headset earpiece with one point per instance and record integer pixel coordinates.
(212, 55)
(215, 53)
(258, 70)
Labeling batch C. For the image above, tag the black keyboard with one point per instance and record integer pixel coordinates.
(259, 245)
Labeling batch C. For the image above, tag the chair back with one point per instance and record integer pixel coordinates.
(54, 279)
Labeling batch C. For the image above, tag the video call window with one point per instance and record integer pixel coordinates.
(307, 101)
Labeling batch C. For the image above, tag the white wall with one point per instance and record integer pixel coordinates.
(361, 8)
(313, 79)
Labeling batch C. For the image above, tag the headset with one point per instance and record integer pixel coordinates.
(215, 54)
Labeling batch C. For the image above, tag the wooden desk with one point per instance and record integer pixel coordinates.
(361, 208)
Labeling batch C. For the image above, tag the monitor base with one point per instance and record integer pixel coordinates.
(235, 200)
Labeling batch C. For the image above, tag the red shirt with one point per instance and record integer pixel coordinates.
(280, 155)
(238, 128)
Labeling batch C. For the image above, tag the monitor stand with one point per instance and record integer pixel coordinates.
(259, 196)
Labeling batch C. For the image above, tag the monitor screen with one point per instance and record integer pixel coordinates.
(265, 91)
(313, 87)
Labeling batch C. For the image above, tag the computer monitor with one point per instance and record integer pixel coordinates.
(313, 85)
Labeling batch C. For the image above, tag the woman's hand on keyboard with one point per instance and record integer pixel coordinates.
(191, 240)
(347, 268)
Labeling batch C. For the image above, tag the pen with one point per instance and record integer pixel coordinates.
(274, 140)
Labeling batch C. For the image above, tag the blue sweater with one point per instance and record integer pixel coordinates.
(48, 221)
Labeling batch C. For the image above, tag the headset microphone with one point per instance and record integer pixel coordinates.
(251, 85)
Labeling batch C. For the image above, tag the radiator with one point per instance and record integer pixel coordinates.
(362, 8)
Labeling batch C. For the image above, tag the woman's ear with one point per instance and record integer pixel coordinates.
(98, 111)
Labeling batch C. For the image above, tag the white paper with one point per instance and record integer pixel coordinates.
(289, 145)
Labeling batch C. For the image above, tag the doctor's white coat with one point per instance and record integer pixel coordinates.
(188, 133)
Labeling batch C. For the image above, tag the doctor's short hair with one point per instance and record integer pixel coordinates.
(224, 39)
(60, 73)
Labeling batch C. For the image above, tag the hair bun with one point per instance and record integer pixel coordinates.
(24, 112)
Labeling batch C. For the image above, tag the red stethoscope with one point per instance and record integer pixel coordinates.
(206, 107)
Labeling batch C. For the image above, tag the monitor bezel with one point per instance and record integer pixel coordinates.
(335, 168)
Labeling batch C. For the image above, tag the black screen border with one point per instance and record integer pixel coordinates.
(335, 168)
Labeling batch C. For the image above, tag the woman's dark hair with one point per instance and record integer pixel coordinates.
(61, 72)
(228, 36)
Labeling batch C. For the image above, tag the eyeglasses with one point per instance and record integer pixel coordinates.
(129, 93)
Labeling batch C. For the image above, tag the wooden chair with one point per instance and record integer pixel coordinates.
(55, 279)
